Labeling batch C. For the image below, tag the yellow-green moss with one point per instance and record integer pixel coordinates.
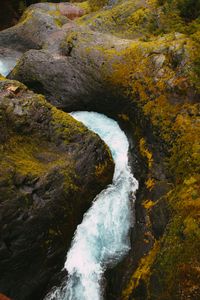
(153, 75)
(142, 272)
(146, 153)
(124, 117)
(178, 126)
(143, 19)
(29, 156)
(34, 155)
(2, 77)
(85, 6)
(150, 183)
(65, 125)
(97, 4)
(148, 204)
(25, 17)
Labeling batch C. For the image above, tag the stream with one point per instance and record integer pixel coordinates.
(102, 239)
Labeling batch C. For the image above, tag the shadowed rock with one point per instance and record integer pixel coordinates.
(46, 184)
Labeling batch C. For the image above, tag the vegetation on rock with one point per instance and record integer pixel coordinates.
(96, 4)
(161, 76)
(46, 185)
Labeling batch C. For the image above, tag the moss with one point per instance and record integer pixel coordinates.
(123, 117)
(59, 20)
(166, 91)
(85, 5)
(30, 156)
(180, 248)
(101, 171)
(2, 77)
(25, 17)
(147, 154)
(27, 149)
(141, 19)
(150, 183)
(64, 125)
(153, 80)
(119, 19)
(142, 272)
(148, 204)
(178, 126)
(97, 4)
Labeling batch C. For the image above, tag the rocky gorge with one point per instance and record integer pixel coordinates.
(138, 62)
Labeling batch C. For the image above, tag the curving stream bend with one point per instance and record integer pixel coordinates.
(102, 239)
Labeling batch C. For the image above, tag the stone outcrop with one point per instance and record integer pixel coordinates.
(46, 184)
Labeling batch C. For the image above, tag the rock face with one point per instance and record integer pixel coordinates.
(46, 184)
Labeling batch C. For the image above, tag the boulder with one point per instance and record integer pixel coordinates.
(34, 27)
(46, 184)
(77, 62)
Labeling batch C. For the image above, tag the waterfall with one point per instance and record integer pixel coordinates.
(102, 239)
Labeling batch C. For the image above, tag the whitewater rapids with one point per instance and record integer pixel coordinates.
(102, 239)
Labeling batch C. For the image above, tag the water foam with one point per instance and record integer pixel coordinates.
(102, 239)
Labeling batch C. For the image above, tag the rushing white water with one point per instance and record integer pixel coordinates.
(102, 239)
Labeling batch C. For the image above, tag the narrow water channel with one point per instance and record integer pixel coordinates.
(102, 239)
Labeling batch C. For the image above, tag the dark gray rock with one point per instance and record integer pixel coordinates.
(46, 185)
